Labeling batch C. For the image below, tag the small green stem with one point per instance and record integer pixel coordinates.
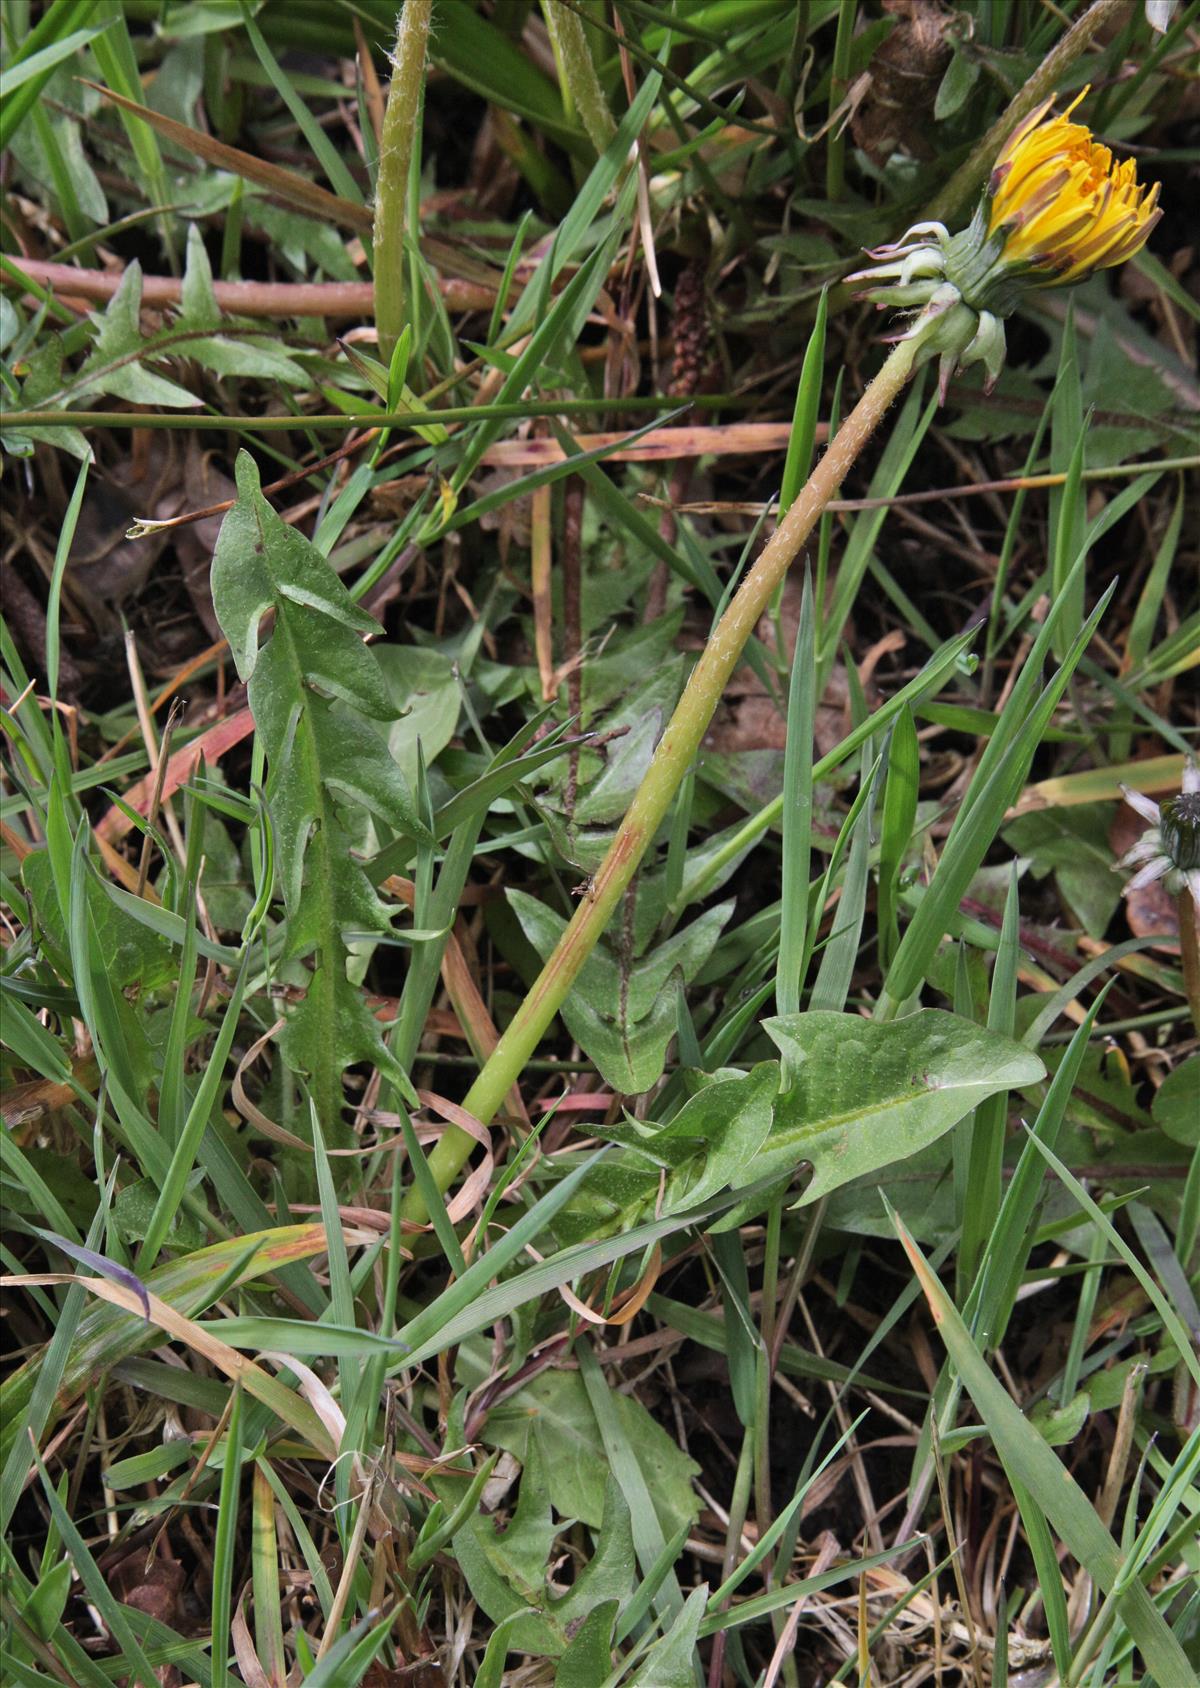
(835, 158)
(395, 156)
(1189, 948)
(348, 422)
(764, 1377)
(673, 757)
(577, 71)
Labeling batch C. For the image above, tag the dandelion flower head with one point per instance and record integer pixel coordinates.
(1060, 204)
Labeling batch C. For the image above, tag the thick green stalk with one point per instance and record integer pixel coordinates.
(839, 81)
(674, 756)
(578, 72)
(395, 156)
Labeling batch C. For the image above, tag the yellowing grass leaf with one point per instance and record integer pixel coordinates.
(265, 1388)
(110, 1333)
(297, 190)
(1098, 785)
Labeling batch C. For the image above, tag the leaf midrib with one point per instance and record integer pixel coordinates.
(833, 1122)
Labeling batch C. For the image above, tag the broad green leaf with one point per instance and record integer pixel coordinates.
(1061, 1424)
(260, 559)
(134, 1208)
(1073, 845)
(608, 796)
(240, 353)
(867, 1093)
(133, 954)
(115, 364)
(588, 1658)
(310, 688)
(960, 77)
(179, 19)
(705, 1148)
(426, 699)
(616, 1194)
(1176, 1106)
(40, 389)
(554, 1408)
(509, 1568)
(42, 1183)
(307, 243)
(731, 1119)
(619, 1008)
(63, 135)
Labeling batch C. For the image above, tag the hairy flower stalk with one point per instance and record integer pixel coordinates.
(1054, 210)
(400, 120)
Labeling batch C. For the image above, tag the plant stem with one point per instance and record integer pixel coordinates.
(673, 757)
(578, 72)
(1189, 948)
(346, 422)
(400, 121)
(739, 1504)
(835, 159)
(764, 1378)
(352, 299)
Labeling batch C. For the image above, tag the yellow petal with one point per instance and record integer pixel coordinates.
(1060, 204)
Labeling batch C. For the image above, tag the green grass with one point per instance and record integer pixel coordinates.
(813, 1296)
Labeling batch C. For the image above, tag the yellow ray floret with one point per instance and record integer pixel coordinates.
(1060, 204)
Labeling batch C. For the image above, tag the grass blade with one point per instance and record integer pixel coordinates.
(1031, 1461)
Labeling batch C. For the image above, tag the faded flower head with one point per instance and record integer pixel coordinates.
(1054, 210)
(1170, 850)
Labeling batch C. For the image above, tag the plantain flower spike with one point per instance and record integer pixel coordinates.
(1055, 209)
